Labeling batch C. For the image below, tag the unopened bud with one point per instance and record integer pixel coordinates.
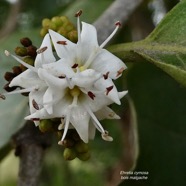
(29, 60)
(43, 32)
(46, 22)
(57, 20)
(26, 42)
(21, 51)
(69, 154)
(31, 50)
(64, 20)
(46, 125)
(68, 143)
(17, 70)
(81, 147)
(68, 26)
(73, 36)
(9, 76)
(62, 31)
(84, 156)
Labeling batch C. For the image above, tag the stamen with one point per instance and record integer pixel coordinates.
(7, 53)
(62, 42)
(91, 95)
(35, 105)
(75, 65)
(106, 75)
(41, 50)
(106, 136)
(2, 96)
(108, 89)
(118, 24)
(120, 71)
(96, 122)
(61, 125)
(78, 14)
(67, 122)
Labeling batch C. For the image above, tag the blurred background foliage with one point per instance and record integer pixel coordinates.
(156, 99)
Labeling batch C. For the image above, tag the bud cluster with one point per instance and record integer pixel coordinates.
(28, 54)
(73, 145)
(62, 25)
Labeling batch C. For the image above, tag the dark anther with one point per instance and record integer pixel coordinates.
(41, 50)
(62, 42)
(78, 13)
(109, 89)
(75, 65)
(118, 23)
(62, 76)
(106, 75)
(2, 96)
(91, 95)
(120, 71)
(35, 105)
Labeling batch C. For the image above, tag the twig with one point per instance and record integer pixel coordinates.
(30, 145)
(11, 21)
(120, 10)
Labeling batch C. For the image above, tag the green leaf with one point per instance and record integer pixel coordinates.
(165, 47)
(160, 105)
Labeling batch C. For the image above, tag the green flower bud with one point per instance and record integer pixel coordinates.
(64, 20)
(69, 154)
(43, 32)
(25, 41)
(84, 156)
(57, 21)
(29, 60)
(73, 36)
(52, 26)
(81, 147)
(68, 26)
(46, 125)
(62, 31)
(46, 22)
(21, 51)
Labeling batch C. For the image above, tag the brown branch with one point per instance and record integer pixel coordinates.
(30, 144)
(11, 22)
(120, 10)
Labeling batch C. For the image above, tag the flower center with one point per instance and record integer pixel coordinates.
(75, 92)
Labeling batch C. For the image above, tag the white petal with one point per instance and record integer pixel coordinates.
(106, 113)
(102, 84)
(88, 43)
(106, 62)
(47, 100)
(92, 130)
(27, 79)
(60, 68)
(51, 80)
(80, 120)
(63, 51)
(46, 56)
(86, 78)
(122, 94)
(39, 114)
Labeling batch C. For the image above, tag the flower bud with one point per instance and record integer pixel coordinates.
(64, 20)
(26, 42)
(46, 125)
(9, 76)
(52, 26)
(57, 20)
(62, 31)
(43, 32)
(31, 50)
(73, 36)
(21, 51)
(84, 156)
(46, 22)
(9, 89)
(68, 26)
(17, 70)
(68, 143)
(81, 147)
(69, 154)
(29, 60)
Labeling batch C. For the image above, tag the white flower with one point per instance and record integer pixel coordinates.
(77, 87)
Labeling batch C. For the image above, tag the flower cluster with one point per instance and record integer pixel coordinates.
(76, 85)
